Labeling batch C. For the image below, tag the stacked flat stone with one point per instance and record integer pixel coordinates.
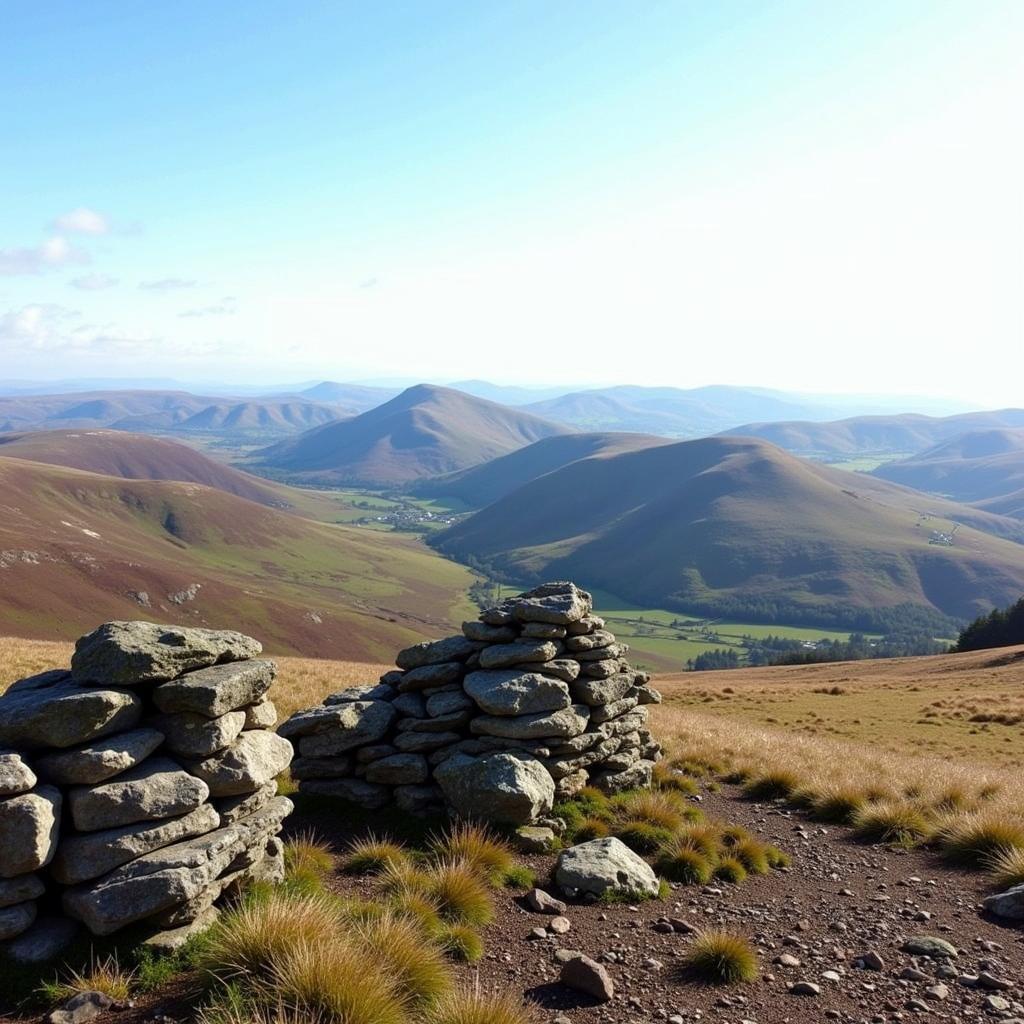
(534, 701)
(138, 786)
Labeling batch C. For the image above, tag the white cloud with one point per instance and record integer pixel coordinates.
(83, 221)
(93, 282)
(48, 255)
(167, 284)
(218, 309)
(48, 327)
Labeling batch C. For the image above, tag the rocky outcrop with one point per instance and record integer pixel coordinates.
(139, 786)
(534, 701)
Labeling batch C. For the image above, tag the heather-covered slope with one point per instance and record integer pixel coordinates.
(737, 526)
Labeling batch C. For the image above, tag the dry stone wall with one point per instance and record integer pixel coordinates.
(137, 787)
(534, 701)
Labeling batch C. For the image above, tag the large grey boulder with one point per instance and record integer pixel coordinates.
(170, 876)
(192, 735)
(569, 721)
(604, 865)
(520, 652)
(432, 652)
(589, 641)
(597, 692)
(15, 776)
(91, 854)
(261, 715)
(1008, 905)
(29, 827)
(100, 760)
(231, 808)
(512, 692)
(253, 760)
(157, 788)
(505, 787)
(127, 653)
(325, 732)
(559, 603)
(476, 630)
(49, 710)
(216, 691)
(427, 676)
(637, 776)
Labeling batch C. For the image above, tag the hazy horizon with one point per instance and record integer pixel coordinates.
(810, 198)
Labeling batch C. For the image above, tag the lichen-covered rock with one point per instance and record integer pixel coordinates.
(522, 652)
(604, 865)
(596, 692)
(638, 776)
(253, 760)
(29, 827)
(399, 770)
(157, 788)
(512, 692)
(432, 652)
(569, 721)
(503, 787)
(1008, 905)
(128, 653)
(215, 691)
(231, 808)
(191, 735)
(101, 759)
(559, 603)
(15, 776)
(49, 710)
(330, 730)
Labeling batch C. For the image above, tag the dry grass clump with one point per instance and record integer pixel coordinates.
(663, 809)
(396, 947)
(460, 942)
(754, 855)
(476, 846)
(1006, 867)
(476, 1006)
(21, 658)
(730, 869)
(680, 863)
(307, 861)
(460, 894)
(333, 979)
(673, 779)
(643, 837)
(591, 828)
(720, 958)
(106, 976)
(774, 784)
(971, 842)
(838, 805)
(370, 856)
(892, 822)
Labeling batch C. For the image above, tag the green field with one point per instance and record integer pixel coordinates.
(665, 640)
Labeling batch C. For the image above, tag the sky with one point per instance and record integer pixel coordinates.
(800, 195)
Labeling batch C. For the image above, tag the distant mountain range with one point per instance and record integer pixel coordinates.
(877, 435)
(425, 431)
(735, 526)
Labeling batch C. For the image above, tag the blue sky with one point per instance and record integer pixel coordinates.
(819, 196)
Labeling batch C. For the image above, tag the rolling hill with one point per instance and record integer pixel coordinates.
(672, 412)
(77, 548)
(425, 431)
(484, 484)
(175, 412)
(352, 398)
(738, 527)
(135, 457)
(980, 466)
(876, 435)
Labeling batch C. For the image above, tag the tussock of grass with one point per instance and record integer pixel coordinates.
(720, 958)
(663, 810)
(251, 937)
(334, 979)
(753, 855)
(371, 856)
(838, 805)
(242, 1011)
(461, 942)
(894, 822)
(397, 878)
(643, 837)
(777, 858)
(106, 976)
(705, 838)
(1006, 867)
(460, 894)
(686, 865)
(775, 784)
(416, 907)
(307, 861)
(591, 828)
(397, 949)
(476, 1006)
(730, 869)
(674, 780)
(972, 842)
(476, 846)
(519, 876)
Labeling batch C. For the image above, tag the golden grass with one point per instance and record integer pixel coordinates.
(21, 658)
(396, 947)
(720, 958)
(892, 822)
(369, 855)
(307, 860)
(662, 809)
(679, 863)
(730, 869)
(461, 896)
(303, 682)
(971, 841)
(1006, 868)
(476, 846)
(477, 1006)
(106, 976)
(461, 942)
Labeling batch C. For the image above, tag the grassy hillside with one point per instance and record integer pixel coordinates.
(481, 485)
(898, 435)
(736, 527)
(980, 466)
(425, 431)
(134, 457)
(77, 548)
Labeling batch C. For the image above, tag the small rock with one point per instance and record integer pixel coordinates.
(586, 975)
(804, 988)
(541, 903)
(81, 1007)
(559, 925)
(929, 945)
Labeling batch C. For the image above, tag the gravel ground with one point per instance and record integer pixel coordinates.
(839, 901)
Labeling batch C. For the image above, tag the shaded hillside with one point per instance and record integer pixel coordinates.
(134, 457)
(671, 412)
(893, 435)
(481, 485)
(352, 398)
(163, 411)
(425, 431)
(981, 466)
(732, 526)
(77, 548)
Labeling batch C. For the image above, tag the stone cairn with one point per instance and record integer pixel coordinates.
(530, 704)
(137, 787)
